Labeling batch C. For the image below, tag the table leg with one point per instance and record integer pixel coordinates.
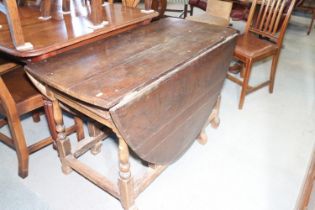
(63, 142)
(45, 10)
(147, 4)
(125, 182)
(214, 118)
(97, 16)
(94, 130)
(203, 138)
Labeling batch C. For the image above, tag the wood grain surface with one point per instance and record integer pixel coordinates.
(158, 82)
(66, 30)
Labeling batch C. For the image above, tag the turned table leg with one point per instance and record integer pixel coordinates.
(214, 119)
(94, 130)
(202, 138)
(63, 142)
(79, 127)
(125, 181)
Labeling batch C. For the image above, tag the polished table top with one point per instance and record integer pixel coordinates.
(157, 83)
(104, 72)
(67, 30)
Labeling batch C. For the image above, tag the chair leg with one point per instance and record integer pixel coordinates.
(185, 10)
(312, 23)
(20, 145)
(15, 126)
(248, 67)
(3, 122)
(273, 71)
(191, 10)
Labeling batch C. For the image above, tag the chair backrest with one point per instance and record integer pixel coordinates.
(267, 17)
(219, 8)
(299, 2)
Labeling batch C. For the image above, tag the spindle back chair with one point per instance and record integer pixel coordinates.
(266, 20)
(264, 32)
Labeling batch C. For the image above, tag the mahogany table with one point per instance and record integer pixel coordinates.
(153, 86)
(64, 32)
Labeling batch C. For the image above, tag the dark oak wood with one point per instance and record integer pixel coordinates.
(260, 41)
(52, 36)
(156, 108)
(163, 135)
(18, 97)
(87, 84)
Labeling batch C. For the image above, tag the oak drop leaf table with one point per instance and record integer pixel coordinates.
(154, 87)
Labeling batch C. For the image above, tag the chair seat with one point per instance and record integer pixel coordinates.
(22, 90)
(209, 19)
(249, 46)
(201, 4)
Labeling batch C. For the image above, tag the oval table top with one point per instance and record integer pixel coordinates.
(158, 83)
(105, 72)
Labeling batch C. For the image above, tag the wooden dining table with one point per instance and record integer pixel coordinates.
(63, 32)
(155, 86)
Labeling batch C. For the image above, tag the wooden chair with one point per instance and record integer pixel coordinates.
(217, 13)
(182, 12)
(18, 97)
(306, 192)
(261, 40)
(307, 6)
(201, 4)
(10, 10)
